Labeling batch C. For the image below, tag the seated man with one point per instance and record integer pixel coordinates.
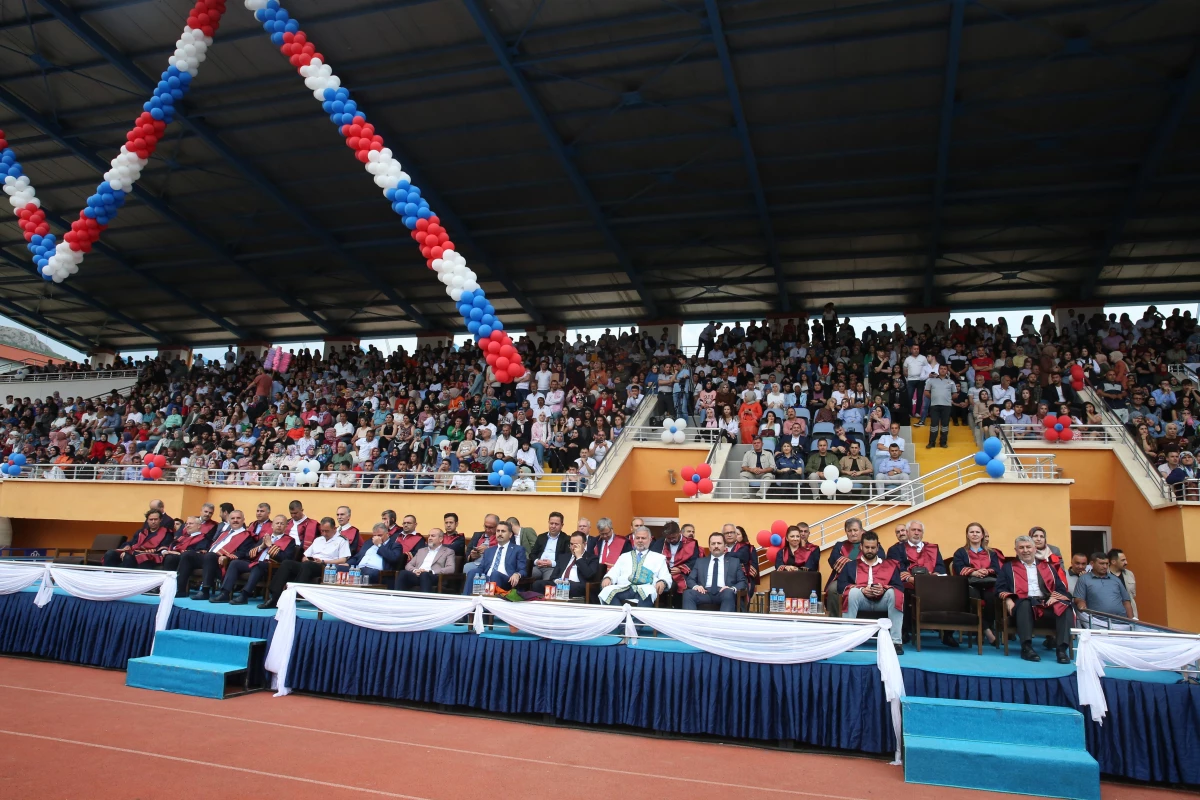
(715, 580)
(872, 583)
(277, 546)
(370, 556)
(548, 548)
(1100, 590)
(758, 469)
(328, 548)
(144, 550)
(681, 553)
(480, 542)
(429, 562)
(1030, 589)
(638, 577)
(895, 467)
(503, 563)
(917, 557)
(839, 556)
(606, 545)
(233, 544)
(192, 539)
(450, 535)
(579, 567)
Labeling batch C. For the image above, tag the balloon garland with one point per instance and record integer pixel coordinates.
(56, 260)
(462, 284)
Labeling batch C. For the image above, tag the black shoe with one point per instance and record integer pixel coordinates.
(200, 594)
(238, 599)
(1049, 643)
(1063, 658)
(220, 597)
(949, 640)
(267, 604)
(929, 446)
(943, 444)
(1028, 653)
(899, 649)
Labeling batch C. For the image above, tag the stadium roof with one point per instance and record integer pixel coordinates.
(608, 162)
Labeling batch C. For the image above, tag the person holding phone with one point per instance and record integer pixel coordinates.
(872, 583)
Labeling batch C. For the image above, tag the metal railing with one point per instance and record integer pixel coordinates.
(1126, 440)
(1026, 434)
(649, 434)
(63, 377)
(616, 454)
(876, 510)
(808, 489)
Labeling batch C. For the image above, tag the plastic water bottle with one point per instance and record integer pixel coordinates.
(477, 584)
(774, 601)
(812, 602)
(328, 578)
(561, 590)
(354, 576)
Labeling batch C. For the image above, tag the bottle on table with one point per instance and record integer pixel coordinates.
(813, 604)
(477, 584)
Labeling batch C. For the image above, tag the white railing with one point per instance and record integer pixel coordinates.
(1018, 466)
(651, 434)
(620, 447)
(1126, 440)
(1090, 434)
(808, 489)
(1183, 371)
(57, 377)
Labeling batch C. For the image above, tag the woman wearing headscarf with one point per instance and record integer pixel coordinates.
(749, 414)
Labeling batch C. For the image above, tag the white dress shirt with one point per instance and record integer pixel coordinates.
(430, 555)
(330, 549)
(497, 567)
(717, 565)
(1035, 588)
(294, 531)
(226, 539)
(550, 552)
(371, 559)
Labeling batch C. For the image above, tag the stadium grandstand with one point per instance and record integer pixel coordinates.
(797, 375)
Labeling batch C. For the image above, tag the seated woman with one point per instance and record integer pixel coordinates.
(980, 566)
(797, 554)
(789, 469)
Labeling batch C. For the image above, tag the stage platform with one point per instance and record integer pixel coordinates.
(659, 685)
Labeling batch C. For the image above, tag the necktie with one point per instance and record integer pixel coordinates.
(758, 459)
(566, 573)
(604, 553)
(712, 573)
(496, 562)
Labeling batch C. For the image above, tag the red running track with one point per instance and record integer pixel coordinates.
(77, 732)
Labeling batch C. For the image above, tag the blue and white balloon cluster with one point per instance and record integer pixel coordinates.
(306, 472)
(991, 457)
(502, 474)
(674, 431)
(12, 467)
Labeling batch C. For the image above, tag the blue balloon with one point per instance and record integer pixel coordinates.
(498, 325)
(995, 468)
(776, 540)
(468, 297)
(489, 309)
(477, 314)
(673, 429)
(18, 459)
(484, 331)
(982, 458)
(485, 318)
(1058, 426)
(695, 477)
(473, 326)
(506, 481)
(510, 468)
(493, 479)
(992, 446)
(479, 301)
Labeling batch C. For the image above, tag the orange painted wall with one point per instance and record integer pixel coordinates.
(1183, 587)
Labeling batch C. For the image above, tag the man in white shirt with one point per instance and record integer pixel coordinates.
(884, 443)
(368, 559)
(1004, 391)
(715, 580)
(233, 543)
(328, 548)
(423, 568)
(343, 429)
(464, 479)
(506, 444)
(554, 399)
(543, 377)
(638, 577)
(634, 399)
(915, 367)
(365, 445)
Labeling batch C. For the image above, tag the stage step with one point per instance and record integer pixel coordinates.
(198, 664)
(1039, 771)
(1003, 723)
(999, 747)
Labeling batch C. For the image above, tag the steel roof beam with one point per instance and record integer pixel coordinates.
(717, 29)
(1163, 135)
(559, 149)
(945, 128)
(133, 73)
(52, 329)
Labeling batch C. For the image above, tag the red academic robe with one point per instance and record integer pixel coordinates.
(309, 529)
(886, 573)
(352, 536)
(183, 542)
(261, 529)
(150, 541)
(687, 552)
(928, 556)
(409, 542)
(1014, 575)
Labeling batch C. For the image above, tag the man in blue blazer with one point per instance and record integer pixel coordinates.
(503, 563)
(714, 580)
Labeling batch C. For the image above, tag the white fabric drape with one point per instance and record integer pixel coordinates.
(1141, 651)
(389, 612)
(90, 584)
(564, 622)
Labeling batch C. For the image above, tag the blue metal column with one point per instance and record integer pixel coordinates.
(945, 128)
(139, 78)
(743, 132)
(521, 84)
(1163, 135)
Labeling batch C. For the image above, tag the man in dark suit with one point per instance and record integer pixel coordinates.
(277, 546)
(480, 542)
(548, 548)
(714, 580)
(503, 564)
(1031, 589)
(371, 558)
(423, 569)
(579, 567)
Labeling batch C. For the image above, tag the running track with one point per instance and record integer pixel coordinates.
(76, 732)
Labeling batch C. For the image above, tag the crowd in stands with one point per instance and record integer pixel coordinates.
(233, 556)
(814, 394)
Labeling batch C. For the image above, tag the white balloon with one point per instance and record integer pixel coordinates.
(844, 484)
(831, 473)
(679, 437)
(828, 488)
(681, 423)
(667, 423)
(456, 294)
(667, 437)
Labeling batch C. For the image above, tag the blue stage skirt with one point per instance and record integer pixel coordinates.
(1150, 733)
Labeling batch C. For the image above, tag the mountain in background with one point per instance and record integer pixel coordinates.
(23, 340)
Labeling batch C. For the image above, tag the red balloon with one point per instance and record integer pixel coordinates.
(690, 488)
(1066, 435)
(1077, 385)
(491, 359)
(499, 336)
(706, 486)
(1050, 434)
(508, 351)
(155, 473)
(1050, 420)
(146, 473)
(502, 363)
(160, 461)
(763, 538)
(493, 347)
(1077, 372)
(687, 473)
(1066, 423)
(705, 470)
(772, 552)
(147, 458)
(502, 376)
(779, 528)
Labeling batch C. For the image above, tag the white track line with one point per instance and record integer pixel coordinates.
(455, 750)
(272, 775)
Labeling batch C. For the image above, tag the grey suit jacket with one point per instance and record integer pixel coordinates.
(443, 562)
